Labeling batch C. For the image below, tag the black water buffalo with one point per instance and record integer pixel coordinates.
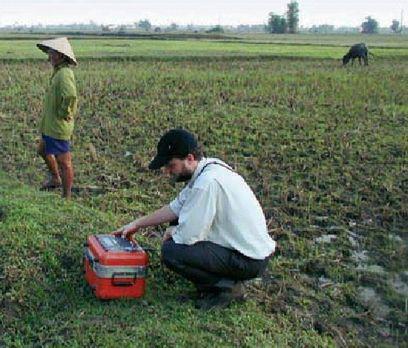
(359, 51)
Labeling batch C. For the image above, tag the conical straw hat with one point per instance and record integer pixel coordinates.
(61, 45)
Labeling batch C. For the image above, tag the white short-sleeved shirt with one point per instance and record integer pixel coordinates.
(217, 205)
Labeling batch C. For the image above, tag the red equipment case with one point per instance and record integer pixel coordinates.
(115, 267)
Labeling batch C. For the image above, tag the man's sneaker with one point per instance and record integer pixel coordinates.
(217, 300)
(239, 291)
(221, 299)
(191, 296)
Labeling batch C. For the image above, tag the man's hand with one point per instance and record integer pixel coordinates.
(168, 233)
(127, 231)
(164, 214)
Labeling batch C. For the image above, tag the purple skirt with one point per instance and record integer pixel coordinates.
(55, 146)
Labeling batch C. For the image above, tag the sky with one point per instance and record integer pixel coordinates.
(199, 12)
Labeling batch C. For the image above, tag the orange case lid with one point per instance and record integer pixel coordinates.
(116, 251)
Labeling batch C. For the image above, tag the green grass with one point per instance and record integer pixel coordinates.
(45, 301)
(376, 40)
(105, 48)
(384, 40)
(323, 147)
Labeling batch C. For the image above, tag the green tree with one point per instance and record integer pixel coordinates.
(173, 27)
(322, 29)
(395, 26)
(276, 24)
(105, 28)
(122, 30)
(145, 25)
(218, 29)
(370, 26)
(293, 17)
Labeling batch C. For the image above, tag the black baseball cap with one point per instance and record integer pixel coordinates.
(176, 143)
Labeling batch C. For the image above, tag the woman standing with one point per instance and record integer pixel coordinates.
(57, 123)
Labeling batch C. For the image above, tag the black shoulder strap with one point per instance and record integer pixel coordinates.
(209, 163)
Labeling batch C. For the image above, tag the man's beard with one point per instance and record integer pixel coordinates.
(182, 177)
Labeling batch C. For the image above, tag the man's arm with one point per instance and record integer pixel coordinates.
(67, 95)
(162, 215)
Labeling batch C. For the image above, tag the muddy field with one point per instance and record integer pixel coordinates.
(324, 148)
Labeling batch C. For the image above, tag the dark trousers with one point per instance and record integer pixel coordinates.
(210, 266)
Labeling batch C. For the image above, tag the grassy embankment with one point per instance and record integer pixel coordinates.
(324, 148)
(301, 47)
(45, 302)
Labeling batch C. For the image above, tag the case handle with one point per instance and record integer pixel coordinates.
(122, 282)
(92, 260)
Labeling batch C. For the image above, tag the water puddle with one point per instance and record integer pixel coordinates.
(359, 256)
(370, 299)
(368, 296)
(399, 285)
(374, 269)
(326, 238)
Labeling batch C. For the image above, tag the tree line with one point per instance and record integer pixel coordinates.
(280, 24)
(289, 23)
(276, 24)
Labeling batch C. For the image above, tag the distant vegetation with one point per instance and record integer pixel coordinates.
(275, 23)
(369, 26)
(216, 29)
(278, 24)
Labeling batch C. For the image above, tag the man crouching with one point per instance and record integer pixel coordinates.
(221, 238)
